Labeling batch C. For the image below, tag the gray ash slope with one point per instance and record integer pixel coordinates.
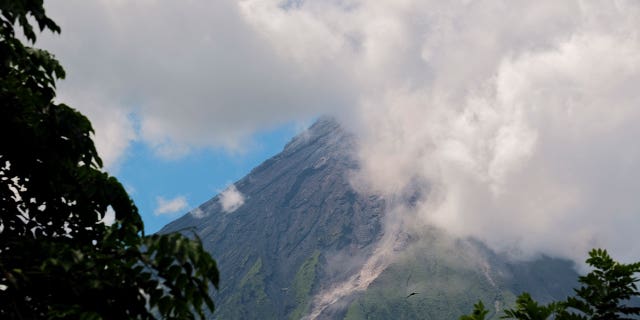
(303, 227)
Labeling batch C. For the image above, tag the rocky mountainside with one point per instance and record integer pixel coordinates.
(299, 244)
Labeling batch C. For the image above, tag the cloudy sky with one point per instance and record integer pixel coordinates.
(520, 117)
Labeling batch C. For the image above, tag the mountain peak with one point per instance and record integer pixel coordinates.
(325, 131)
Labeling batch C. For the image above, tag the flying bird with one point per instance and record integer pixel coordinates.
(412, 294)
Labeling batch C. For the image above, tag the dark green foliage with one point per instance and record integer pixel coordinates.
(606, 290)
(57, 258)
(528, 309)
(479, 312)
(605, 295)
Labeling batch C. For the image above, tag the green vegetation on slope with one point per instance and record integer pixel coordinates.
(437, 278)
(251, 295)
(443, 291)
(303, 284)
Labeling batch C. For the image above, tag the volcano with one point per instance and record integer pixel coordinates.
(305, 244)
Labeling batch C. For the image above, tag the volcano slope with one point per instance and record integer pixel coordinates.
(305, 244)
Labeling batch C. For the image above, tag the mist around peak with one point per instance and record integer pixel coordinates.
(521, 117)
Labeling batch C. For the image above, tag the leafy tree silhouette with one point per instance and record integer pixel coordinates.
(58, 259)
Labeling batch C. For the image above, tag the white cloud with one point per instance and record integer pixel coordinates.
(520, 117)
(526, 143)
(509, 112)
(198, 213)
(170, 206)
(190, 72)
(231, 199)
